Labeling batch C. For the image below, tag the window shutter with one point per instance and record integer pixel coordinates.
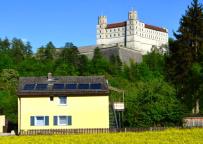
(46, 120)
(32, 120)
(55, 120)
(69, 120)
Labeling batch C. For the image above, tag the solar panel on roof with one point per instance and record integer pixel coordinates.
(95, 86)
(29, 87)
(58, 86)
(71, 86)
(41, 87)
(83, 86)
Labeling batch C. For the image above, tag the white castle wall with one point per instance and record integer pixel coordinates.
(133, 35)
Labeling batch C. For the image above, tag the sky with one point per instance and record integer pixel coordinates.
(61, 21)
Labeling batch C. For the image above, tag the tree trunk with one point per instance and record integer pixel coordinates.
(193, 110)
(197, 106)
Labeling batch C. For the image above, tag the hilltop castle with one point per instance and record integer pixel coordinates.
(129, 39)
(132, 34)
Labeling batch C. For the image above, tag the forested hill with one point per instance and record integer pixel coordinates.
(158, 92)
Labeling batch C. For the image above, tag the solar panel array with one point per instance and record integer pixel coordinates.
(29, 87)
(83, 86)
(41, 87)
(58, 86)
(95, 86)
(61, 86)
(71, 86)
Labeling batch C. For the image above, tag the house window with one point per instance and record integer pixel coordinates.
(62, 120)
(51, 98)
(39, 120)
(63, 100)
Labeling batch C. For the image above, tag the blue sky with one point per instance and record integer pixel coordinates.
(60, 21)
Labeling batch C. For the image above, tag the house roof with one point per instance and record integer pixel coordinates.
(97, 86)
(115, 25)
(123, 24)
(155, 28)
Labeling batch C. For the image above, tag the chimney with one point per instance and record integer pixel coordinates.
(49, 76)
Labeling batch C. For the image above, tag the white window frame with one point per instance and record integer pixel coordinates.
(60, 101)
(59, 124)
(35, 122)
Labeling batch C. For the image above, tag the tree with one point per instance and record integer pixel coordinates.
(4, 45)
(8, 98)
(70, 54)
(65, 69)
(185, 51)
(6, 61)
(28, 50)
(49, 51)
(153, 103)
(155, 60)
(84, 65)
(18, 51)
(40, 55)
(99, 65)
(115, 65)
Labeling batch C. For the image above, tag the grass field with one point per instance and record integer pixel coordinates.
(171, 136)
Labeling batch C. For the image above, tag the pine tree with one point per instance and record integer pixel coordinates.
(187, 51)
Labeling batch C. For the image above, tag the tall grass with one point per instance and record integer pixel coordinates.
(171, 136)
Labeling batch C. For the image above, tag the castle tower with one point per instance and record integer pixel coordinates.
(132, 15)
(101, 29)
(102, 20)
(131, 24)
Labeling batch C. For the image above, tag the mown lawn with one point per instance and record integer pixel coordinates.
(171, 136)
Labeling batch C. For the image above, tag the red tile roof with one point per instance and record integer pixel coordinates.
(115, 25)
(155, 28)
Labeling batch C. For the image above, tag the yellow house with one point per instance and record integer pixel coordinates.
(63, 102)
(2, 123)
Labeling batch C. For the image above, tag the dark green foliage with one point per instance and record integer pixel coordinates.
(99, 64)
(84, 65)
(70, 55)
(49, 51)
(115, 66)
(8, 98)
(4, 45)
(185, 56)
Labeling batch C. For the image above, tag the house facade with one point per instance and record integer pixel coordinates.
(69, 102)
(2, 123)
